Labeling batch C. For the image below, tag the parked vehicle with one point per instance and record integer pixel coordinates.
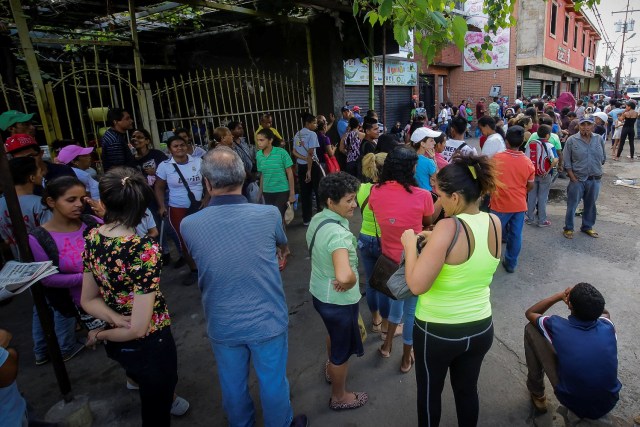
(633, 92)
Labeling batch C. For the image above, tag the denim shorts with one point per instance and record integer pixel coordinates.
(341, 322)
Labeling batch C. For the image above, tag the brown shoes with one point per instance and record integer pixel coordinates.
(540, 403)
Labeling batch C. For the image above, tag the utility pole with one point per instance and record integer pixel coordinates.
(631, 61)
(624, 32)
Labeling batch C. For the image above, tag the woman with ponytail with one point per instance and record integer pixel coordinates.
(451, 276)
(121, 285)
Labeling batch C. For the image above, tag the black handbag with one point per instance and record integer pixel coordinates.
(194, 205)
(384, 266)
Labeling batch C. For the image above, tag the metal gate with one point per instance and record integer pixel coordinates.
(206, 99)
(16, 98)
(82, 95)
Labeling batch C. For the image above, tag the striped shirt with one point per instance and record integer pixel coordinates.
(115, 150)
(274, 170)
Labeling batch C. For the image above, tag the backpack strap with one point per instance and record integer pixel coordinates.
(49, 246)
(460, 147)
(364, 204)
(322, 224)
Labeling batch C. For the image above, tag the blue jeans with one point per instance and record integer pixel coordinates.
(539, 197)
(65, 328)
(270, 364)
(369, 252)
(404, 311)
(587, 191)
(512, 223)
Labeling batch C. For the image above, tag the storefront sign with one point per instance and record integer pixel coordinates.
(564, 55)
(501, 41)
(588, 65)
(398, 73)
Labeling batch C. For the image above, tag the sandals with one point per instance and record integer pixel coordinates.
(568, 234)
(282, 263)
(376, 327)
(384, 354)
(412, 360)
(591, 232)
(360, 399)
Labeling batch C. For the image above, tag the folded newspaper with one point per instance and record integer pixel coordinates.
(16, 277)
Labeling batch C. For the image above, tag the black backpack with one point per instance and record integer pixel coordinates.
(59, 298)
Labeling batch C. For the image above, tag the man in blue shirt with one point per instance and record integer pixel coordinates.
(115, 142)
(243, 297)
(578, 354)
(343, 123)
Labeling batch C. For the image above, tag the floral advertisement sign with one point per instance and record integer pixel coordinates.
(500, 41)
(398, 73)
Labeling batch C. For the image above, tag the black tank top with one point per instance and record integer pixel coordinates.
(629, 122)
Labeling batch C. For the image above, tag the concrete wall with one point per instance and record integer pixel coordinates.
(328, 67)
(529, 36)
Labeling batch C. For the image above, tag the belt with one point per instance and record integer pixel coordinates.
(596, 178)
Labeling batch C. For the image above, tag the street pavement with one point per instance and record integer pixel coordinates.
(548, 263)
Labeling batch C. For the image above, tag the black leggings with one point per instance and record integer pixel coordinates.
(459, 348)
(152, 363)
(626, 132)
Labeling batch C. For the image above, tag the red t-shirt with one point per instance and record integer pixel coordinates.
(395, 211)
(515, 170)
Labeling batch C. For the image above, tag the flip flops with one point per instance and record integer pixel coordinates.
(591, 232)
(360, 400)
(327, 377)
(568, 234)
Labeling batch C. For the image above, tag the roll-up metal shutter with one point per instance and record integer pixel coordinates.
(398, 105)
(359, 95)
(398, 102)
(532, 87)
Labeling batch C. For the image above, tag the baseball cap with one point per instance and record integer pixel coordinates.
(422, 133)
(70, 152)
(345, 108)
(602, 116)
(11, 117)
(19, 141)
(586, 119)
(356, 108)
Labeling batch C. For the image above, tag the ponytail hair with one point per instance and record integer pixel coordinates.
(125, 194)
(268, 133)
(372, 165)
(471, 176)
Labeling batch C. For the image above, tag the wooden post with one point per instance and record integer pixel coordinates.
(312, 83)
(34, 70)
(22, 240)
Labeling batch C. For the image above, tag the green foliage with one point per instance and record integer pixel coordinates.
(435, 24)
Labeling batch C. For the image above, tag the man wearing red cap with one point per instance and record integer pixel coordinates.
(23, 145)
(356, 114)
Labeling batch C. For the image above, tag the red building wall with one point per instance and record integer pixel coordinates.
(561, 53)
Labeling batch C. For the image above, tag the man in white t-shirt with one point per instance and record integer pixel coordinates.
(494, 143)
(456, 142)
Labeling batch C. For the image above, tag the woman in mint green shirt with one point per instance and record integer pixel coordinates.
(453, 328)
(334, 282)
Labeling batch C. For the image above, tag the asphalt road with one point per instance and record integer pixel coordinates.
(548, 263)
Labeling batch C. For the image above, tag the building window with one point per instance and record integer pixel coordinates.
(565, 37)
(583, 39)
(554, 15)
(590, 44)
(575, 37)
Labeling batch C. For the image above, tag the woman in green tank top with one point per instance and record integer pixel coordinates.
(453, 326)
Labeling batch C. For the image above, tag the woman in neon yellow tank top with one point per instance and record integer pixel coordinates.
(453, 326)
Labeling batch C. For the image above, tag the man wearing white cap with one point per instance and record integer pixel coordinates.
(79, 158)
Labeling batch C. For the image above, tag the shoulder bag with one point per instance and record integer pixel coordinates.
(384, 266)
(194, 205)
(397, 283)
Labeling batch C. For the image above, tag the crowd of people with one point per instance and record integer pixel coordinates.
(432, 205)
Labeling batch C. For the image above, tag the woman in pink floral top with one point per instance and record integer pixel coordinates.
(121, 286)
